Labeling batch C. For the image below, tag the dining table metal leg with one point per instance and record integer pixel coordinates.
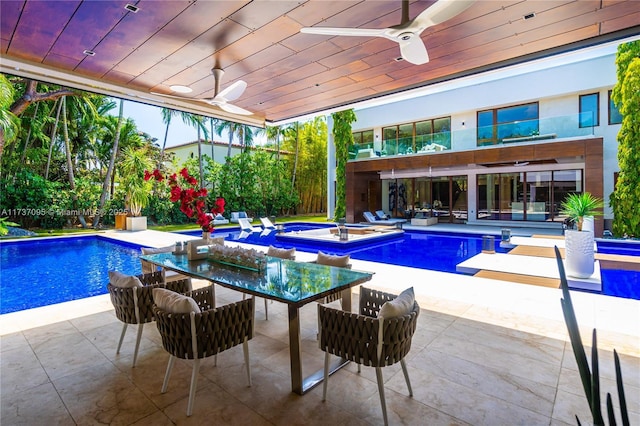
(299, 383)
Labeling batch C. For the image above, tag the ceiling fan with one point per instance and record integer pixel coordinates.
(407, 33)
(222, 98)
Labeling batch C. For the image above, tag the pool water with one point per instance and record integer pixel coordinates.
(437, 251)
(37, 273)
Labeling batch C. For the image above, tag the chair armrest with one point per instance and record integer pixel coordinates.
(216, 330)
(225, 327)
(348, 335)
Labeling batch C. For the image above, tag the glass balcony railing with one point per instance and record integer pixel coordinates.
(567, 126)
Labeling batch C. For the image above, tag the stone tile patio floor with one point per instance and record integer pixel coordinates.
(485, 352)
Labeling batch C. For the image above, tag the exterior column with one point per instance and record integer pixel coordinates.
(331, 169)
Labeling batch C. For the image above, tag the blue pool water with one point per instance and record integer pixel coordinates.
(440, 252)
(36, 273)
(42, 272)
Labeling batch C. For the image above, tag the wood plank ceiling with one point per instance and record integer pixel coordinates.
(289, 74)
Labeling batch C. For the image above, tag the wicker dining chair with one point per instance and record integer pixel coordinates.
(366, 339)
(133, 305)
(197, 335)
(331, 260)
(148, 267)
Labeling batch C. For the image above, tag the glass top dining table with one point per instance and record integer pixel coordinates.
(287, 281)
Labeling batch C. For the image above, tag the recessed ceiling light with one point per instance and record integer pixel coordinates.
(181, 89)
(89, 52)
(132, 8)
(529, 16)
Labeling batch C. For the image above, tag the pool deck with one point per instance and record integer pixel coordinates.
(485, 352)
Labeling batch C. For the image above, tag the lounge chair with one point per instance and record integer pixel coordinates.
(266, 223)
(371, 218)
(246, 226)
(240, 215)
(382, 215)
(218, 219)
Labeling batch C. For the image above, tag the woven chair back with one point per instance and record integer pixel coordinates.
(356, 337)
(216, 330)
(125, 301)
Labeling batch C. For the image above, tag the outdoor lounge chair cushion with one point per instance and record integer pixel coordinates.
(400, 306)
(282, 253)
(331, 260)
(118, 279)
(175, 303)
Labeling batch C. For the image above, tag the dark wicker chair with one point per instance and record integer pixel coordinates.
(148, 267)
(135, 305)
(367, 340)
(201, 335)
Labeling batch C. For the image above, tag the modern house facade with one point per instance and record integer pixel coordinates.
(502, 147)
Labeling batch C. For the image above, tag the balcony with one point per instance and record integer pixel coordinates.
(566, 126)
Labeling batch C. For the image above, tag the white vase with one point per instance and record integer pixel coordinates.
(579, 257)
(588, 224)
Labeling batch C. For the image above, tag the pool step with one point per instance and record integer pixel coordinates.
(607, 261)
(519, 278)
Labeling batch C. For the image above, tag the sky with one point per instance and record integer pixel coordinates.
(148, 119)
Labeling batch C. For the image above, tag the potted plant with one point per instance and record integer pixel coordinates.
(136, 188)
(580, 207)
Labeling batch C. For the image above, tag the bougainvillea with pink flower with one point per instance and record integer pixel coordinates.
(193, 200)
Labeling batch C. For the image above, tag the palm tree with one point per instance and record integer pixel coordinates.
(273, 133)
(112, 162)
(231, 128)
(187, 118)
(9, 125)
(9, 122)
(292, 131)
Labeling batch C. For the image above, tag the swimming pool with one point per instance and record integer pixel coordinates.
(42, 272)
(438, 251)
(61, 269)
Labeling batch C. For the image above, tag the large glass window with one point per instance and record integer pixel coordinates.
(589, 112)
(539, 186)
(390, 140)
(532, 196)
(615, 117)
(423, 136)
(565, 182)
(361, 141)
(405, 138)
(509, 124)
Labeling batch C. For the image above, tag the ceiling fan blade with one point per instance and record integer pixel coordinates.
(233, 91)
(414, 51)
(233, 109)
(441, 11)
(356, 32)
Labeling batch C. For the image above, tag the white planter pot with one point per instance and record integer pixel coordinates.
(588, 224)
(136, 223)
(579, 257)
